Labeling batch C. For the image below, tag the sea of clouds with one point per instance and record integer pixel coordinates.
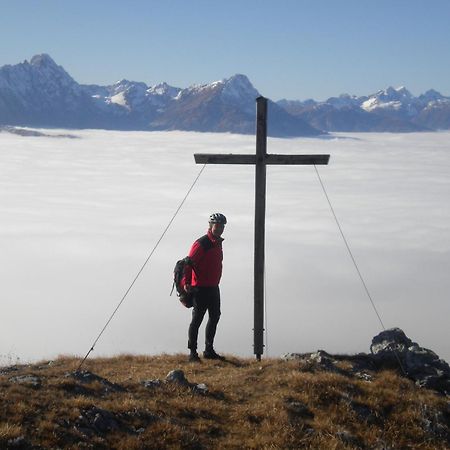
(78, 218)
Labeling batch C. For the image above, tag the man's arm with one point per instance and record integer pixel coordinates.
(196, 252)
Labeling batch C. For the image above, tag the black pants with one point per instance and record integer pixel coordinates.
(205, 299)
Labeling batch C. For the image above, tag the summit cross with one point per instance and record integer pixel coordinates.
(260, 159)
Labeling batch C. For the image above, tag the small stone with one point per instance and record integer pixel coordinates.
(349, 438)
(31, 380)
(177, 376)
(298, 410)
(18, 442)
(364, 376)
(152, 383)
(201, 388)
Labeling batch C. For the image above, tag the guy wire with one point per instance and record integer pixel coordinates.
(143, 266)
(355, 264)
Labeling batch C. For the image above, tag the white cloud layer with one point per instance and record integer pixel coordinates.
(78, 218)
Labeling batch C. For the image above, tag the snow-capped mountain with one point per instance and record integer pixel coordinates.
(392, 101)
(395, 110)
(226, 105)
(388, 98)
(41, 93)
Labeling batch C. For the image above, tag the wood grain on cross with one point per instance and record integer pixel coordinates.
(260, 160)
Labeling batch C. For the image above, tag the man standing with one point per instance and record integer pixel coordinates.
(203, 281)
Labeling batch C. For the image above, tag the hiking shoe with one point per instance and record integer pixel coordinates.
(193, 357)
(211, 354)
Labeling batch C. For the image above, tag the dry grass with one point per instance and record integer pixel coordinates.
(271, 404)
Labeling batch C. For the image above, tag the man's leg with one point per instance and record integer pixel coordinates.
(213, 319)
(198, 312)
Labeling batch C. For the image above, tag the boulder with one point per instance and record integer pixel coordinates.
(388, 342)
(393, 347)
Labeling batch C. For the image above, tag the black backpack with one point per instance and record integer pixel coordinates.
(187, 298)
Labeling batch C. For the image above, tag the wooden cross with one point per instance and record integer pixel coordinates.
(260, 160)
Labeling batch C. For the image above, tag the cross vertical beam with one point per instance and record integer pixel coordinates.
(260, 213)
(260, 160)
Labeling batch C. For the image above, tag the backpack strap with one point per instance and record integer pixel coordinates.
(205, 242)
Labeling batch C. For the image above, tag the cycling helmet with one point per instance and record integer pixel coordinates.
(217, 218)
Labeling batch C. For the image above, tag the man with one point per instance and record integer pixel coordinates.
(203, 281)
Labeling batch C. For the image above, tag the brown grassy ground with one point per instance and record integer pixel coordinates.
(253, 405)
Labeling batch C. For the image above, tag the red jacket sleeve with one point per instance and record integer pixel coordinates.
(195, 253)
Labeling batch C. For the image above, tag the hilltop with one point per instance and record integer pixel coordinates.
(311, 401)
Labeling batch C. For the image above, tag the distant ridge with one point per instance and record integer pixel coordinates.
(41, 93)
(393, 110)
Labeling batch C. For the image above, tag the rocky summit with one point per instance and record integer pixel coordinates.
(395, 397)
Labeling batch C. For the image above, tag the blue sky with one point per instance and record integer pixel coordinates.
(293, 49)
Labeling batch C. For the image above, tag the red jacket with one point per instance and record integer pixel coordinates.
(206, 253)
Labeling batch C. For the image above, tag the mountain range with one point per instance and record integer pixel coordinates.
(40, 93)
(393, 110)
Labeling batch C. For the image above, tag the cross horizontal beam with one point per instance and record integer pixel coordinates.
(220, 158)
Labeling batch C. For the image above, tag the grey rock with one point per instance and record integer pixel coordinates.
(364, 376)
(393, 347)
(349, 439)
(31, 380)
(152, 383)
(177, 376)
(8, 370)
(318, 358)
(440, 383)
(298, 410)
(390, 349)
(387, 343)
(436, 422)
(86, 377)
(323, 359)
(18, 442)
(96, 420)
(201, 389)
